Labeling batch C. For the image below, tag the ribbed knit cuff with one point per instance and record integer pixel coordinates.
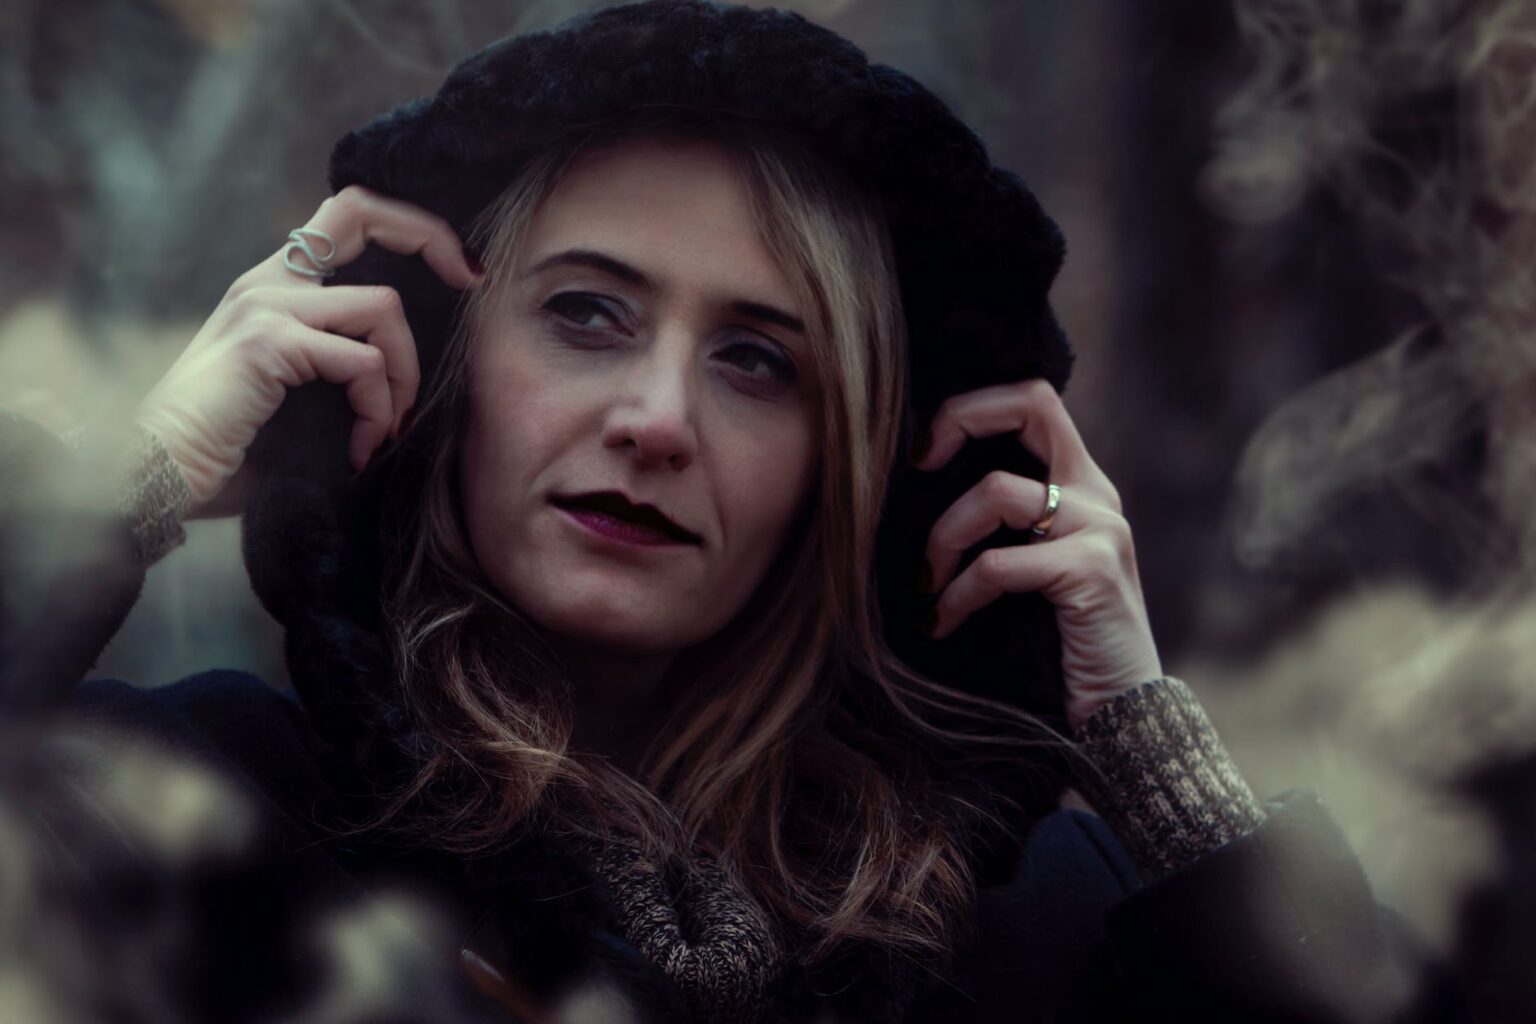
(148, 489)
(1163, 780)
(154, 498)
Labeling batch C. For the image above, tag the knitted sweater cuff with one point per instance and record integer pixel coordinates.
(148, 489)
(1162, 779)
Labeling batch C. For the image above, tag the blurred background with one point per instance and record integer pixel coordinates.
(1299, 246)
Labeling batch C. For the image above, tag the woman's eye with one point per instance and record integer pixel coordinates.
(760, 363)
(581, 309)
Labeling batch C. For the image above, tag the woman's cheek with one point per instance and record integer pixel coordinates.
(780, 475)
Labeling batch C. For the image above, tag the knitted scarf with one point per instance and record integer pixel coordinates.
(700, 927)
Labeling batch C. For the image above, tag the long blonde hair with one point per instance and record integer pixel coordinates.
(796, 763)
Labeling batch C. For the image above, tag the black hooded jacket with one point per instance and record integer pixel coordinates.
(1279, 925)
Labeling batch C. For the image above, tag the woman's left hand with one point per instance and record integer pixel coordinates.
(1085, 564)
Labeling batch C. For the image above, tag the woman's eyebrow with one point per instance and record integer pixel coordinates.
(597, 261)
(634, 276)
(768, 314)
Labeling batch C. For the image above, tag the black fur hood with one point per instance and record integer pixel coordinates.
(976, 257)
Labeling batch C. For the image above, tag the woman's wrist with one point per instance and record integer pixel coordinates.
(154, 498)
(148, 489)
(1161, 777)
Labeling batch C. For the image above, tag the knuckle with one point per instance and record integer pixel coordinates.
(258, 344)
(1036, 389)
(385, 299)
(1125, 541)
(1047, 396)
(350, 199)
(1101, 561)
(249, 301)
(281, 336)
(997, 485)
(1119, 530)
(991, 565)
(256, 334)
(239, 286)
(372, 359)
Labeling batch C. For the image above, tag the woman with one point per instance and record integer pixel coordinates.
(606, 642)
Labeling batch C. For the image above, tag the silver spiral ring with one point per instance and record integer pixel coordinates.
(299, 239)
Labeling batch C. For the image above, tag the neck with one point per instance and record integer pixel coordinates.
(617, 699)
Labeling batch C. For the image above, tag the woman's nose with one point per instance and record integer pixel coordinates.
(654, 414)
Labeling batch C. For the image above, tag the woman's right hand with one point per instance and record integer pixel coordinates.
(275, 329)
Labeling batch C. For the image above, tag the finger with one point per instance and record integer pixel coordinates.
(356, 216)
(373, 312)
(364, 216)
(309, 354)
(1003, 499)
(1031, 407)
(1071, 566)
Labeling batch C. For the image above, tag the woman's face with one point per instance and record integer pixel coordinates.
(648, 348)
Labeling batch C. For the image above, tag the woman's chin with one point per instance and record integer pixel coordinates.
(617, 607)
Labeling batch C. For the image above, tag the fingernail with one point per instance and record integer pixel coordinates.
(921, 446)
(925, 579)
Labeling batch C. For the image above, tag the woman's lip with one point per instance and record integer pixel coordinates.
(619, 530)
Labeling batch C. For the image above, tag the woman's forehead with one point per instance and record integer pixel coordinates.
(677, 213)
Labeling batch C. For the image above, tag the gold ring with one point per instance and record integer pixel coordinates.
(1048, 514)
